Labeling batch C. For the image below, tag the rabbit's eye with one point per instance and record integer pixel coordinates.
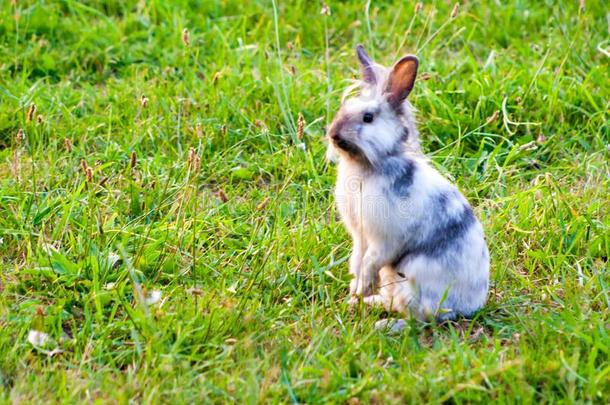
(367, 117)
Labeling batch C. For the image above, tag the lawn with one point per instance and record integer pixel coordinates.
(167, 225)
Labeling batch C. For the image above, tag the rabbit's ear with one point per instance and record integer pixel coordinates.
(366, 66)
(401, 80)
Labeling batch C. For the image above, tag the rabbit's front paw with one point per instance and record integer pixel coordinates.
(375, 300)
(391, 326)
(365, 286)
(353, 286)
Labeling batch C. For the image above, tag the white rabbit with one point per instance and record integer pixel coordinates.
(418, 248)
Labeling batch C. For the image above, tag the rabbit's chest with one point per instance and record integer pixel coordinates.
(348, 196)
(363, 203)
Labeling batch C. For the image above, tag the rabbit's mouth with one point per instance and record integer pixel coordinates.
(347, 146)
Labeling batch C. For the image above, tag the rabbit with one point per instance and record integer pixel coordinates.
(418, 248)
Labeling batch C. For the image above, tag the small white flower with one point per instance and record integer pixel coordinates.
(302, 146)
(37, 338)
(49, 248)
(1, 241)
(388, 362)
(109, 286)
(113, 258)
(153, 297)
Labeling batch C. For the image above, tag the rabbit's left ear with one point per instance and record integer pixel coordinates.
(401, 80)
(366, 66)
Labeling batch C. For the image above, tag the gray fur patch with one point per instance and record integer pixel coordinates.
(401, 170)
(404, 135)
(446, 235)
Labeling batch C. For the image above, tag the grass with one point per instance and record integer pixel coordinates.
(156, 162)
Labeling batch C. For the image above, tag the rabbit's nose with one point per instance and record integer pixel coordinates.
(336, 128)
(333, 132)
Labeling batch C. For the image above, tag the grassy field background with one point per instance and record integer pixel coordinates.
(167, 220)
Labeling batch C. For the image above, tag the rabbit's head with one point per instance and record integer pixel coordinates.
(378, 122)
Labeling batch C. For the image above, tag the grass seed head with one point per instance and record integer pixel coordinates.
(195, 291)
(15, 164)
(261, 125)
(263, 204)
(187, 103)
(418, 7)
(133, 161)
(31, 112)
(529, 146)
(144, 101)
(216, 77)
(455, 10)
(492, 117)
(194, 161)
(67, 145)
(20, 137)
(87, 170)
(300, 126)
(89, 174)
(222, 195)
(185, 37)
(39, 119)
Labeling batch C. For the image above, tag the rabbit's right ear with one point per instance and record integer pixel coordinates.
(366, 66)
(401, 80)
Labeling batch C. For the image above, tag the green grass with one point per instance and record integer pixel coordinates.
(247, 250)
